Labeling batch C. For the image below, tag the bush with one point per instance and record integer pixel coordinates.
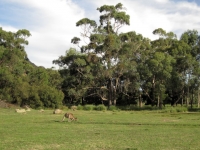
(171, 109)
(194, 109)
(79, 107)
(113, 108)
(88, 107)
(64, 107)
(100, 107)
(181, 109)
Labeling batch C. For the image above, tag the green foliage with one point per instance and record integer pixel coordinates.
(75, 40)
(88, 107)
(21, 82)
(79, 107)
(85, 21)
(113, 12)
(175, 109)
(114, 67)
(101, 107)
(113, 108)
(128, 65)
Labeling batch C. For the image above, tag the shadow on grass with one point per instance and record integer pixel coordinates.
(57, 121)
(130, 123)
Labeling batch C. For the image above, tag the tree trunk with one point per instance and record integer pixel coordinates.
(192, 99)
(187, 99)
(114, 102)
(158, 102)
(182, 98)
(140, 101)
(198, 99)
(153, 90)
(110, 94)
(114, 95)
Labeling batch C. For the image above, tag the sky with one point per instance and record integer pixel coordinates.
(52, 23)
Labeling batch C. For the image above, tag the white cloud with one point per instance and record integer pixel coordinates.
(52, 23)
(162, 1)
(9, 28)
(146, 16)
(53, 37)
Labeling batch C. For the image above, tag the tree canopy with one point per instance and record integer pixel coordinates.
(127, 68)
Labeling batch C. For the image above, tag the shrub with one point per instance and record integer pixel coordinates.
(124, 107)
(181, 109)
(113, 108)
(195, 109)
(174, 109)
(88, 107)
(79, 107)
(64, 107)
(133, 107)
(100, 107)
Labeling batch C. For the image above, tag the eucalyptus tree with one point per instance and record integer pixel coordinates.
(114, 50)
(76, 73)
(12, 59)
(134, 53)
(191, 62)
(177, 83)
(155, 71)
(186, 67)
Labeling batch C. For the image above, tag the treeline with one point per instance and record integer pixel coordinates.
(112, 68)
(126, 68)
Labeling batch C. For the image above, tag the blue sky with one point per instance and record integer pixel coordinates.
(52, 23)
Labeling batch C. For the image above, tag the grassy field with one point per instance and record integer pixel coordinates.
(99, 130)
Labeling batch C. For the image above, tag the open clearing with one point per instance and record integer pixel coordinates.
(99, 130)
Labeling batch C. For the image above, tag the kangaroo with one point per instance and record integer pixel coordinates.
(70, 116)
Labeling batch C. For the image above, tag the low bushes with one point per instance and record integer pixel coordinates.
(88, 107)
(167, 109)
(113, 108)
(101, 107)
(79, 107)
(92, 107)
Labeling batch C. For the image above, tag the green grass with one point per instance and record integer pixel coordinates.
(99, 130)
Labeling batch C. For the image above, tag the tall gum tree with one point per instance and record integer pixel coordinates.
(157, 67)
(191, 65)
(110, 46)
(184, 77)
